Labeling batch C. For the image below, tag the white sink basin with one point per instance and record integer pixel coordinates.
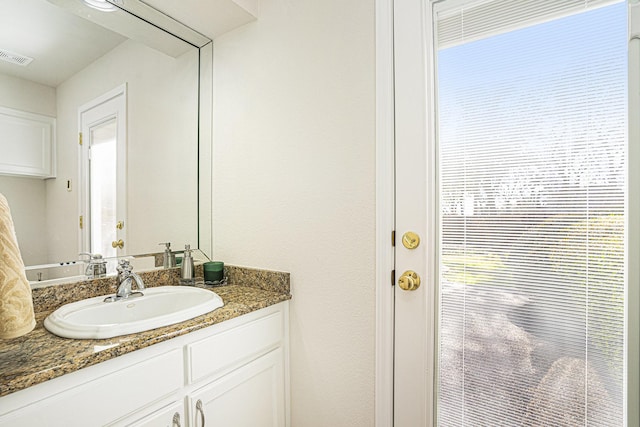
(160, 306)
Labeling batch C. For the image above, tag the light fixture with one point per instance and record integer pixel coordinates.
(101, 5)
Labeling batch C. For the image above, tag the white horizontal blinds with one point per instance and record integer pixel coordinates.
(462, 22)
(532, 140)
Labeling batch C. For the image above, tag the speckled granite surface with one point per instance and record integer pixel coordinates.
(277, 281)
(40, 355)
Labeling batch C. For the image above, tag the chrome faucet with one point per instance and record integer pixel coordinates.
(126, 279)
(96, 267)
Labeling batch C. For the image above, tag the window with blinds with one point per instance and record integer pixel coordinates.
(532, 136)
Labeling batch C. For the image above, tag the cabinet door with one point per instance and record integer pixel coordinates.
(250, 396)
(168, 416)
(27, 143)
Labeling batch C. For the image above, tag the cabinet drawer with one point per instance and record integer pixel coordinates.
(106, 398)
(171, 415)
(234, 347)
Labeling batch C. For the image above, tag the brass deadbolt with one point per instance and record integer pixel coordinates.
(410, 240)
(117, 244)
(409, 281)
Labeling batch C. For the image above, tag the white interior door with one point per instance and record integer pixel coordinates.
(512, 159)
(103, 174)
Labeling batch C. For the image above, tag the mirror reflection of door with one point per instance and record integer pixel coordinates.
(103, 175)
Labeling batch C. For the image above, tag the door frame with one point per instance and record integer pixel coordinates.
(385, 212)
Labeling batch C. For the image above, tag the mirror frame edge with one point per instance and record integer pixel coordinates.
(205, 150)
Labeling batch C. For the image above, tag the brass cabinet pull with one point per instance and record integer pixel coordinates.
(409, 281)
(117, 244)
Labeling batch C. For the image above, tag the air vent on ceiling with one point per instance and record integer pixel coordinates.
(14, 58)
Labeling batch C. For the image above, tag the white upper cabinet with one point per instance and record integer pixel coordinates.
(27, 144)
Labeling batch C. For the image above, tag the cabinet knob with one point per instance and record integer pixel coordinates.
(176, 420)
(200, 410)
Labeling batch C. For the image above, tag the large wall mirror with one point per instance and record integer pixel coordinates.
(82, 50)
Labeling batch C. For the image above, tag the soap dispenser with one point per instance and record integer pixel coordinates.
(169, 258)
(186, 268)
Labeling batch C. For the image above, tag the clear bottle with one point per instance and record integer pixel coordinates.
(187, 270)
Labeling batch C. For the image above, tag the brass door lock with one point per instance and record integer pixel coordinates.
(410, 240)
(409, 281)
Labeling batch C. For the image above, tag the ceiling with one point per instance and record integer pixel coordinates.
(209, 17)
(63, 43)
(60, 43)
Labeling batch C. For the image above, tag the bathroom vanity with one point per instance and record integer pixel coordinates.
(225, 368)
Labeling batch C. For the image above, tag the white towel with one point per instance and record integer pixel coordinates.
(16, 305)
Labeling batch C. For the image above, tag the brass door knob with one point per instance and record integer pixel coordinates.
(409, 281)
(117, 244)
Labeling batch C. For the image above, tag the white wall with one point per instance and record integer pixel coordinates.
(294, 187)
(26, 196)
(27, 96)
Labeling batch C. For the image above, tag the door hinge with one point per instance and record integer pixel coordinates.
(393, 277)
(393, 238)
(80, 138)
(81, 222)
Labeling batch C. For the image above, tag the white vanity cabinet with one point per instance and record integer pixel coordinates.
(250, 396)
(234, 373)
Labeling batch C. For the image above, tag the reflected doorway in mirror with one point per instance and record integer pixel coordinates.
(103, 151)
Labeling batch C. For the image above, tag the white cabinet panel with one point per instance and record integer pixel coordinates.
(27, 144)
(234, 347)
(171, 415)
(250, 396)
(107, 398)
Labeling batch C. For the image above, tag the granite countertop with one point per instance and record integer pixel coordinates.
(40, 356)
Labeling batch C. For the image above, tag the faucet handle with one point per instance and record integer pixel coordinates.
(91, 256)
(124, 266)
